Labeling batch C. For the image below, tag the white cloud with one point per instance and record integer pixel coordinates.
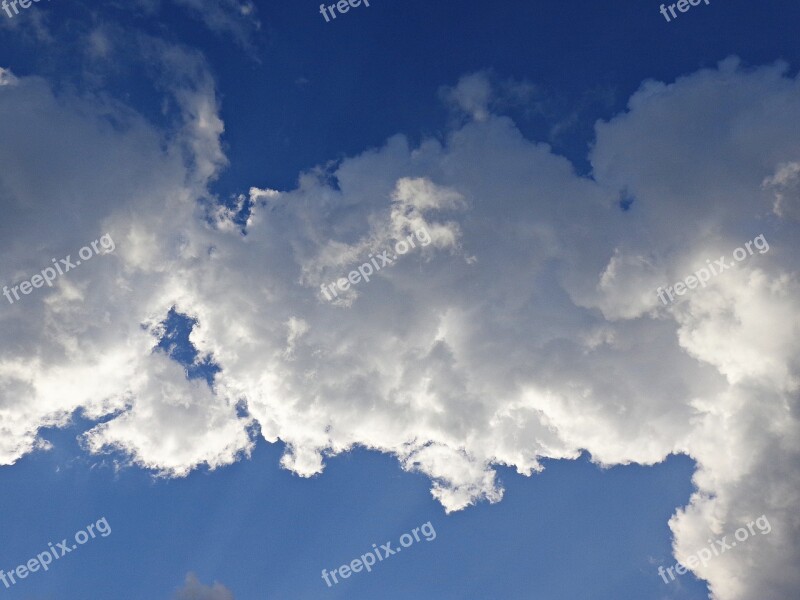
(7, 77)
(530, 329)
(194, 590)
(236, 18)
(472, 95)
(785, 184)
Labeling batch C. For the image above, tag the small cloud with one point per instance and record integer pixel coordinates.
(471, 95)
(785, 184)
(7, 77)
(194, 590)
(233, 17)
(481, 93)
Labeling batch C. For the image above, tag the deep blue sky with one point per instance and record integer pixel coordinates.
(306, 93)
(312, 91)
(371, 73)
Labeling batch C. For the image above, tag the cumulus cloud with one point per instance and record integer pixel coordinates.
(530, 328)
(194, 590)
(98, 172)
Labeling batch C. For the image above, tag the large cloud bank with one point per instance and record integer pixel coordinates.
(528, 328)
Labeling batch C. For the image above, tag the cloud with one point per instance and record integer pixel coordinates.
(472, 95)
(529, 329)
(194, 590)
(785, 184)
(226, 17)
(100, 170)
(478, 94)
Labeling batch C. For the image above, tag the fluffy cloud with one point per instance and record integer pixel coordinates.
(194, 590)
(529, 328)
(73, 174)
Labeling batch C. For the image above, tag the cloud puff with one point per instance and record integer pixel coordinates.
(530, 328)
(194, 590)
(785, 184)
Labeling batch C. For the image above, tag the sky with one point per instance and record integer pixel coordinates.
(511, 288)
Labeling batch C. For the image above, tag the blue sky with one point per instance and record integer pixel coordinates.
(575, 531)
(240, 433)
